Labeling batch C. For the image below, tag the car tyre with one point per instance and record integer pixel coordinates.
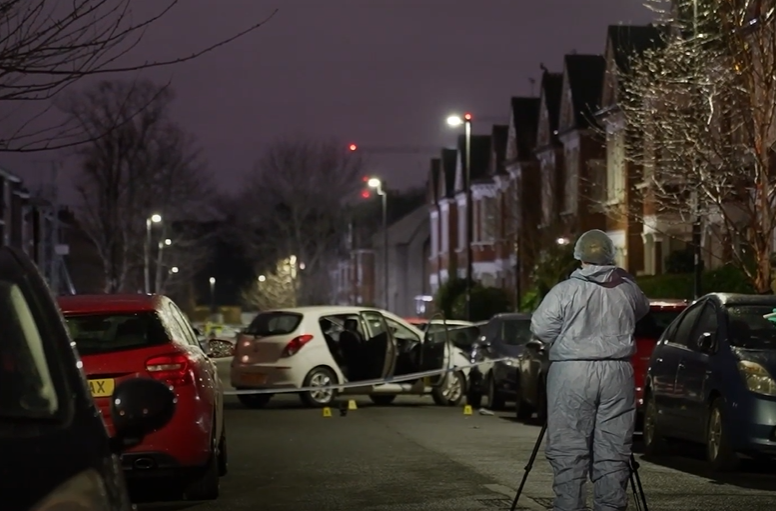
(452, 390)
(382, 399)
(223, 457)
(523, 410)
(654, 441)
(496, 400)
(254, 401)
(207, 485)
(719, 451)
(319, 377)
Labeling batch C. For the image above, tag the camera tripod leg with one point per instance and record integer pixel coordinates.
(529, 466)
(639, 496)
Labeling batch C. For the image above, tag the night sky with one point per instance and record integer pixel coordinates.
(375, 72)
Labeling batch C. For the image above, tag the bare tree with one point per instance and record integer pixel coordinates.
(47, 45)
(296, 203)
(274, 289)
(146, 165)
(701, 112)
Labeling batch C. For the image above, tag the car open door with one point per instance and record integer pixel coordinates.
(435, 352)
(382, 345)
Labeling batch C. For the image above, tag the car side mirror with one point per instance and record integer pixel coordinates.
(219, 348)
(484, 342)
(535, 345)
(139, 406)
(706, 341)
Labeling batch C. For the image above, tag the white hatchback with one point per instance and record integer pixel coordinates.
(310, 347)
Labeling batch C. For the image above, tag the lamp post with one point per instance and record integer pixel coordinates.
(153, 219)
(378, 186)
(212, 296)
(455, 121)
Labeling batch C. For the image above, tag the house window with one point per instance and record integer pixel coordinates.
(572, 181)
(548, 202)
(615, 179)
(462, 241)
(488, 220)
(434, 234)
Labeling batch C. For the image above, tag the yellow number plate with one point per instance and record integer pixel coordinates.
(101, 388)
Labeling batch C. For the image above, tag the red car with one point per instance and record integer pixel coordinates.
(124, 336)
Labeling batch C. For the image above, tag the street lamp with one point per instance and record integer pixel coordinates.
(378, 186)
(262, 278)
(174, 269)
(153, 219)
(562, 241)
(455, 121)
(212, 281)
(167, 242)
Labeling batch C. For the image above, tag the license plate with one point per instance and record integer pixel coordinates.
(101, 388)
(254, 379)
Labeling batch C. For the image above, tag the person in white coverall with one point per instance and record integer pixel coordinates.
(587, 322)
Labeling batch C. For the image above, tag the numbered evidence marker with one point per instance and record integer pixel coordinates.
(467, 410)
(352, 405)
(327, 412)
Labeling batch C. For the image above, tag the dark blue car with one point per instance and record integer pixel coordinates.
(711, 380)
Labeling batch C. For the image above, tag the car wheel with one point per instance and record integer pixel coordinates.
(523, 411)
(654, 442)
(719, 452)
(382, 399)
(255, 401)
(319, 377)
(223, 457)
(206, 486)
(496, 401)
(452, 391)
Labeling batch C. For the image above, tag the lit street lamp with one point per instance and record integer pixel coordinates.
(466, 121)
(153, 219)
(262, 278)
(212, 296)
(377, 185)
(562, 241)
(167, 242)
(174, 269)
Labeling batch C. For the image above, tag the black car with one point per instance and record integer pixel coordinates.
(56, 452)
(504, 336)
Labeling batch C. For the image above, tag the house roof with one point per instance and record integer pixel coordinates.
(552, 86)
(480, 160)
(586, 79)
(499, 138)
(525, 118)
(403, 231)
(628, 41)
(449, 161)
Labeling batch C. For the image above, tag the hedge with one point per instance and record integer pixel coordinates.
(727, 279)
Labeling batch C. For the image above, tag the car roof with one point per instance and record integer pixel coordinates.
(728, 299)
(326, 310)
(79, 304)
(668, 303)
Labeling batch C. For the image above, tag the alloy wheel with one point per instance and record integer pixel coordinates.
(715, 434)
(321, 396)
(453, 389)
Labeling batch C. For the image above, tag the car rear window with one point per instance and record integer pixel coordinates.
(103, 333)
(655, 323)
(266, 324)
(516, 332)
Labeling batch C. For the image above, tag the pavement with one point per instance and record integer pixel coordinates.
(414, 456)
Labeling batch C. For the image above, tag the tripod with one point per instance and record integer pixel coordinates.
(639, 498)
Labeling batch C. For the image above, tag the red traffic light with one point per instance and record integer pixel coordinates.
(365, 194)
(468, 117)
(352, 147)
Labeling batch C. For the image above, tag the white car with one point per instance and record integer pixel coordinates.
(329, 345)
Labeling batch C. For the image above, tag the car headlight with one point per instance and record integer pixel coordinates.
(757, 378)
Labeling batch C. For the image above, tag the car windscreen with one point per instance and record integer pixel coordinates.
(655, 323)
(748, 329)
(103, 333)
(267, 324)
(516, 332)
(461, 336)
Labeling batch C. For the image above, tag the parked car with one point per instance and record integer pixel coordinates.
(322, 346)
(56, 451)
(436, 324)
(121, 336)
(505, 335)
(711, 380)
(534, 363)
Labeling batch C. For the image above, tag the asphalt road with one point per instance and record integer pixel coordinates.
(414, 456)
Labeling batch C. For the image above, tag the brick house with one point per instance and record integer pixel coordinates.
(483, 207)
(583, 148)
(443, 213)
(549, 152)
(503, 230)
(524, 197)
(621, 199)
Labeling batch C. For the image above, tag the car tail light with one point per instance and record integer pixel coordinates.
(174, 370)
(296, 344)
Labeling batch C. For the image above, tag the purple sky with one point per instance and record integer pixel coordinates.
(375, 72)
